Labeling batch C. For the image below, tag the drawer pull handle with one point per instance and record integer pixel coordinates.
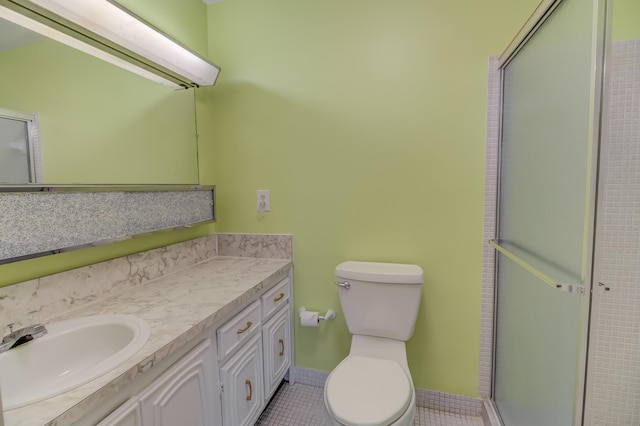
(279, 298)
(248, 383)
(281, 347)
(242, 330)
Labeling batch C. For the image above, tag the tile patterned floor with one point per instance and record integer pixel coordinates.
(303, 405)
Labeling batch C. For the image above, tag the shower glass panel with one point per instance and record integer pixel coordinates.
(543, 215)
(15, 165)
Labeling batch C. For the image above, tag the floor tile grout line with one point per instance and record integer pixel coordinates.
(303, 405)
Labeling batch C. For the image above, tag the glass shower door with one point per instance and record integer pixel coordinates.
(544, 219)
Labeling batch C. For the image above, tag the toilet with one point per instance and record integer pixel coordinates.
(372, 386)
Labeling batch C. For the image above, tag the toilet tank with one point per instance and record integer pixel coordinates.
(380, 299)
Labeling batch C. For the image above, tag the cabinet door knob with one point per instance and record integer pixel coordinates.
(281, 347)
(279, 298)
(242, 330)
(248, 383)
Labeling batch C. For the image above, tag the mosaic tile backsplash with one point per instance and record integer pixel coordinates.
(38, 222)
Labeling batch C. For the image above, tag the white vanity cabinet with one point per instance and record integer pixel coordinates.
(254, 352)
(240, 357)
(242, 387)
(276, 335)
(129, 414)
(228, 378)
(183, 395)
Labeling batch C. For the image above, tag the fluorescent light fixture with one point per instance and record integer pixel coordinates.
(108, 31)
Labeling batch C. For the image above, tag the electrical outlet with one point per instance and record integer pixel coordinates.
(264, 200)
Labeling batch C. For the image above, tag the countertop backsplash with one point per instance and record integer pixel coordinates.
(267, 246)
(72, 289)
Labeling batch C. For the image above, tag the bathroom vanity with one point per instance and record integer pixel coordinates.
(220, 344)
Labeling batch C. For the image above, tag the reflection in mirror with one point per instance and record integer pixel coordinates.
(20, 159)
(99, 124)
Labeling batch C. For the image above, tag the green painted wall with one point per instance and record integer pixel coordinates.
(366, 120)
(100, 123)
(626, 20)
(186, 22)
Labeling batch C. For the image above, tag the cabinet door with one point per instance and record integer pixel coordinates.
(184, 394)
(129, 414)
(243, 393)
(276, 338)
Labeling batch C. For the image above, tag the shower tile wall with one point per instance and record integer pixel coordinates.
(488, 253)
(614, 365)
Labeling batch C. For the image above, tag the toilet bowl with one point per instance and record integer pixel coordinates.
(369, 391)
(373, 386)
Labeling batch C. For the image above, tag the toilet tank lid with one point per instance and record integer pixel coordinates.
(393, 273)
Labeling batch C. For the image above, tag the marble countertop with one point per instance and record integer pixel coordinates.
(177, 307)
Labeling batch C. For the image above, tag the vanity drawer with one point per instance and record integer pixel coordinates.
(238, 329)
(274, 298)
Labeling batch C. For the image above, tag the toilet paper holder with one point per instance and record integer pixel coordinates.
(331, 314)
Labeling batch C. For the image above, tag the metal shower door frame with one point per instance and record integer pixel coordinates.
(535, 22)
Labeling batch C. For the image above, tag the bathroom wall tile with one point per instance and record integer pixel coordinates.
(256, 245)
(614, 353)
(451, 403)
(488, 253)
(307, 376)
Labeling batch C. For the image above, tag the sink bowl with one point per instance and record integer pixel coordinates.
(73, 352)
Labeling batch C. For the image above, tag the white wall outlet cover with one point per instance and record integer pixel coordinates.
(263, 200)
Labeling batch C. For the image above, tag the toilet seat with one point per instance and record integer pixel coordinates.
(363, 391)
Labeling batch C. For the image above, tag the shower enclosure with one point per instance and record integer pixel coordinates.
(567, 277)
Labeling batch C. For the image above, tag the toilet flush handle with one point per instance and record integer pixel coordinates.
(344, 284)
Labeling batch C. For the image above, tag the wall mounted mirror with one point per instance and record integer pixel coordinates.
(98, 135)
(98, 124)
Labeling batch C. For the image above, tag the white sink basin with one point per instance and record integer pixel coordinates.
(73, 352)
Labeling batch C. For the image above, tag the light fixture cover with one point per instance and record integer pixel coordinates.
(125, 37)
